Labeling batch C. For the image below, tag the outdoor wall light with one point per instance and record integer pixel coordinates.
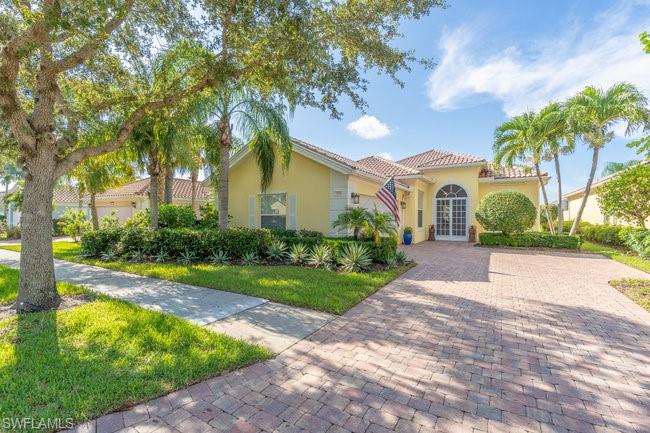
(402, 204)
(355, 198)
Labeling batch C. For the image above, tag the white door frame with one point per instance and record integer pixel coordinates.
(434, 215)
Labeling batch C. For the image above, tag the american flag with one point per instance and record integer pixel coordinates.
(388, 197)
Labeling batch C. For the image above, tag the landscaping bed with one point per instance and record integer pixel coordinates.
(318, 289)
(80, 363)
(636, 289)
(617, 253)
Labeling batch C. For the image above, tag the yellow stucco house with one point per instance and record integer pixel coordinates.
(592, 213)
(433, 187)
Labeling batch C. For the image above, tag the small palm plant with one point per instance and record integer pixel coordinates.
(250, 258)
(220, 258)
(298, 253)
(277, 250)
(320, 256)
(355, 257)
(354, 218)
(109, 256)
(187, 257)
(162, 256)
(380, 224)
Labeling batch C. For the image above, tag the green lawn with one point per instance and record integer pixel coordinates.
(9, 286)
(101, 356)
(317, 289)
(617, 254)
(636, 289)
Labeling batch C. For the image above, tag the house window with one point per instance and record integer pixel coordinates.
(273, 211)
(420, 208)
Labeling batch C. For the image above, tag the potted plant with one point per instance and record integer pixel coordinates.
(408, 235)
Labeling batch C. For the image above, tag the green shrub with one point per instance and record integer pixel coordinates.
(94, 244)
(173, 216)
(74, 223)
(139, 219)
(602, 234)
(57, 228)
(530, 239)
(13, 232)
(110, 221)
(135, 240)
(637, 240)
(355, 257)
(506, 212)
(209, 216)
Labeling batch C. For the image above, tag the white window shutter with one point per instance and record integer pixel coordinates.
(251, 212)
(292, 205)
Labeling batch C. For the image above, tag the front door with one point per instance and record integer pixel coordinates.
(451, 214)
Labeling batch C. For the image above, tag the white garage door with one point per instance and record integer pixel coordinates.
(122, 212)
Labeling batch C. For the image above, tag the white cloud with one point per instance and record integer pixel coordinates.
(386, 155)
(529, 75)
(369, 128)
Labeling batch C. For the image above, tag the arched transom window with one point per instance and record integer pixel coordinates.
(451, 191)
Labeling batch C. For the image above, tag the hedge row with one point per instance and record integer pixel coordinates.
(202, 243)
(636, 239)
(530, 239)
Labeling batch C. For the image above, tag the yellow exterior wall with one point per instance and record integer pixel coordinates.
(529, 188)
(592, 212)
(309, 180)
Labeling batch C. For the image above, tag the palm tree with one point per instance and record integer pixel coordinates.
(594, 112)
(354, 218)
(614, 167)
(96, 175)
(259, 122)
(518, 140)
(380, 223)
(557, 139)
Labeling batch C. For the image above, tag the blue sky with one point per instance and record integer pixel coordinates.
(494, 59)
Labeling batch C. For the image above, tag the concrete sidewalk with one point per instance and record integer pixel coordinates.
(274, 326)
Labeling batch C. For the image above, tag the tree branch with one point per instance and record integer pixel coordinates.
(123, 133)
(89, 48)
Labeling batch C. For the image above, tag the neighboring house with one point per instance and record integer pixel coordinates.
(124, 200)
(433, 187)
(592, 212)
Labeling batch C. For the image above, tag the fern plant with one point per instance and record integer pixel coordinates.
(220, 258)
(277, 250)
(250, 258)
(187, 257)
(320, 256)
(355, 257)
(298, 253)
(162, 256)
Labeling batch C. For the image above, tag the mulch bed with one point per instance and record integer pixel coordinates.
(67, 302)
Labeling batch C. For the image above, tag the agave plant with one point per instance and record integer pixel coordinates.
(109, 256)
(298, 253)
(320, 256)
(187, 257)
(250, 258)
(220, 258)
(137, 256)
(162, 256)
(355, 257)
(401, 258)
(277, 250)
(391, 261)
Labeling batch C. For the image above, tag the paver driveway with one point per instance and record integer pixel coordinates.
(471, 339)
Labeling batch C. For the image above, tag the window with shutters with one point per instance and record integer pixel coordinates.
(273, 211)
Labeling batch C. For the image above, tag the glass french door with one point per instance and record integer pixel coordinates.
(451, 219)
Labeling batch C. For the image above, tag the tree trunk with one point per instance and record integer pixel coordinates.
(153, 169)
(224, 165)
(592, 173)
(93, 211)
(548, 214)
(560, 213)
(37, 289)
(194, 176)
(169, 184)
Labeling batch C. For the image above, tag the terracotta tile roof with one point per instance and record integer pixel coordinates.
(386, 167)
(507, 172)
(182, 189)
(434, 158)
(66, 194)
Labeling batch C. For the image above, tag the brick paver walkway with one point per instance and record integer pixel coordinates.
(472, 340)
